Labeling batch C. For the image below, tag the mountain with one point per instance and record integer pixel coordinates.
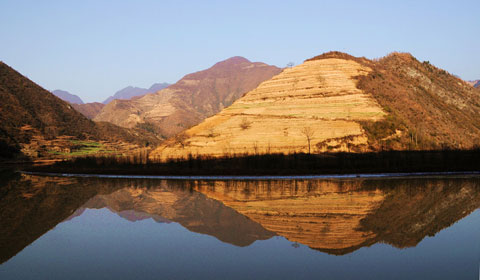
(36, 123)
(337, 102)
(67, 96)
(89, 110)
(130, 92)
(190, 100)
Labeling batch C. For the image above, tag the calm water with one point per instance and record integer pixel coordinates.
(352, 228)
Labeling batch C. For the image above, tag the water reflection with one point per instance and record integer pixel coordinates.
(340, 216)
(166, 202)
(333, 216)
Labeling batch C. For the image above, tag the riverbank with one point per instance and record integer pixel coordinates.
(276, 164)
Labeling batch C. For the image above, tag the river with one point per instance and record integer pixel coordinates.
(67, 227)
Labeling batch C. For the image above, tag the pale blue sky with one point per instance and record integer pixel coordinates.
(93, 48)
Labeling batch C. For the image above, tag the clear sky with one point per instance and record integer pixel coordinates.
(93, 48)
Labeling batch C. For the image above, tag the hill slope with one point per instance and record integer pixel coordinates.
(130, 92)
(29, 113)
(67, 96)
(192, 99)
(89, 110)
(431, 107)
(337, 102)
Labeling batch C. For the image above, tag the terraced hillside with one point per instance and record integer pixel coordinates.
(190, 100)
(318, 97)
(337, 102)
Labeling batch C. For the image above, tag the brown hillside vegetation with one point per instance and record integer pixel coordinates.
(32, 118)
(189, 101)
(89, 110)
(337, 102)
(431, 107)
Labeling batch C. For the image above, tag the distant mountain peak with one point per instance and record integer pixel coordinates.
(237, 59)
(131, 91)
(67, 96)
(232, 61)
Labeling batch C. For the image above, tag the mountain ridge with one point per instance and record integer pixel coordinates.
(190, 100)
(131, 91)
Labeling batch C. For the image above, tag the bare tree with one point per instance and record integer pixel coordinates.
(308, 132)
(211, 133)
(181, 139)
(245, 124)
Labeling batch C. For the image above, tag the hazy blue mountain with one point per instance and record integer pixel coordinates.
(67, 96)
(158, 86)
(130, 92)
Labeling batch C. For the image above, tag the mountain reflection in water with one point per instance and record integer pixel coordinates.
(332, 216)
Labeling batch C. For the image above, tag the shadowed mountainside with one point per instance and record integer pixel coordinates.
(32, 117)
(190, 100)
(337, 102)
